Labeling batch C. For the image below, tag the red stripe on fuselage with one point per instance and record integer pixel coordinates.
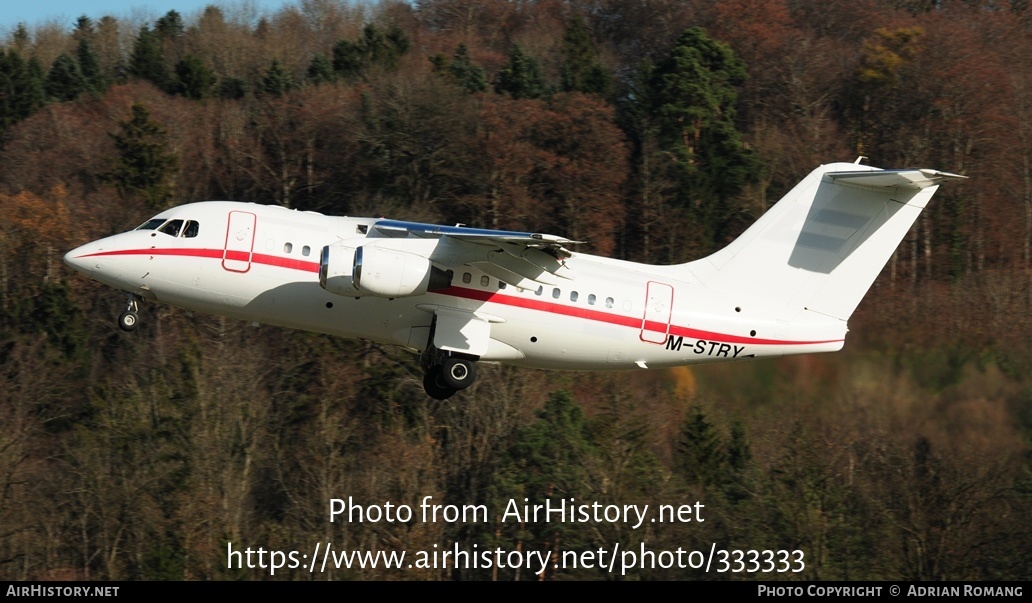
(258, 258)
(615, 319)
(482, 296)
(198, 253)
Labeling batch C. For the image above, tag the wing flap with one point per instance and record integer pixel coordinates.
(511, 278)
(517, 256)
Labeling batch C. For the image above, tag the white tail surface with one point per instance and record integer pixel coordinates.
(820, 248)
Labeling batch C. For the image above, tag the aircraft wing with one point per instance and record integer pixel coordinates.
(510, 256)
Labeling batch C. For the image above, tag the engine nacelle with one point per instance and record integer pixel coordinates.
(387, 272)
(336, 263)
(375, 269)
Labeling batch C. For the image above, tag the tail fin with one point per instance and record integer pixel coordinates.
(820, 248)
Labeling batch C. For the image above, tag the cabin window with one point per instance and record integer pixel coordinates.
(501, 285)
(484, 281)
(573, 296)
(172, 228)
(306, 250)
(151, 224)
(540, 290)
(609, 302)
(467, 277)
(591, 299)
(556, 293)
(191, 229)
(288, 247)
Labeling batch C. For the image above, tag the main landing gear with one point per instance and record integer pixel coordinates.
(129, 319)
(445, 374)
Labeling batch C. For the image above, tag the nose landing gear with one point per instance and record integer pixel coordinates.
(129, 319)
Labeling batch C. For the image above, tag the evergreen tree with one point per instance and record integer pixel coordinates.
(232, 88)
(520, 77)
(580, 71)
(470, 77)
(704, 458)
(385, 48)
(89, 67)
(375, 48)
(276, 81)
(597, 80)
(83, 28)
(53, 310)
(170, 26)
(65, 81)
(35, 93)
(700, 451)
(145, 167)
(739, 453)
(193, 78)
(21, 39)
(21, 88)
(147, 60)
(692, 99)
(320, 70)
(551, 451)
(545, 462)
(739, 459)
(348, 61)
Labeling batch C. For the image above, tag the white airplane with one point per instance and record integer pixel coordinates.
(459, 296)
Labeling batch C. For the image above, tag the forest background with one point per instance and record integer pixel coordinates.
(653, 130)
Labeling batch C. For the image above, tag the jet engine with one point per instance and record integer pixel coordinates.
(336, 263)
(378, 270)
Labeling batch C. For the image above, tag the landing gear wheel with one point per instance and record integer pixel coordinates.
(433, 386)
(458, 373)
(128, 321)
(129, 318)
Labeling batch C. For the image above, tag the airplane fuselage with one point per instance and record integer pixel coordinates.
(261, 263)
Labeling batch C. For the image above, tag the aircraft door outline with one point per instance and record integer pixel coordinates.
(239, 247)
(659, 306)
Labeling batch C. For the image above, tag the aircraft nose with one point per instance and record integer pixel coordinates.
(95, 260)
(75, 259)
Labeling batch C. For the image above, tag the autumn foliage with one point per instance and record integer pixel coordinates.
(653, 131)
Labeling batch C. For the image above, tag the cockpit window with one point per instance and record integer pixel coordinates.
(151, 224)
(172, 228)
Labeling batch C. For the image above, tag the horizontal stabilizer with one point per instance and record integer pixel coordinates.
(906, 179)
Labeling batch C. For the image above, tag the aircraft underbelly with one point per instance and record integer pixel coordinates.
(491, 330)
(268, 299)
(548, 341)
